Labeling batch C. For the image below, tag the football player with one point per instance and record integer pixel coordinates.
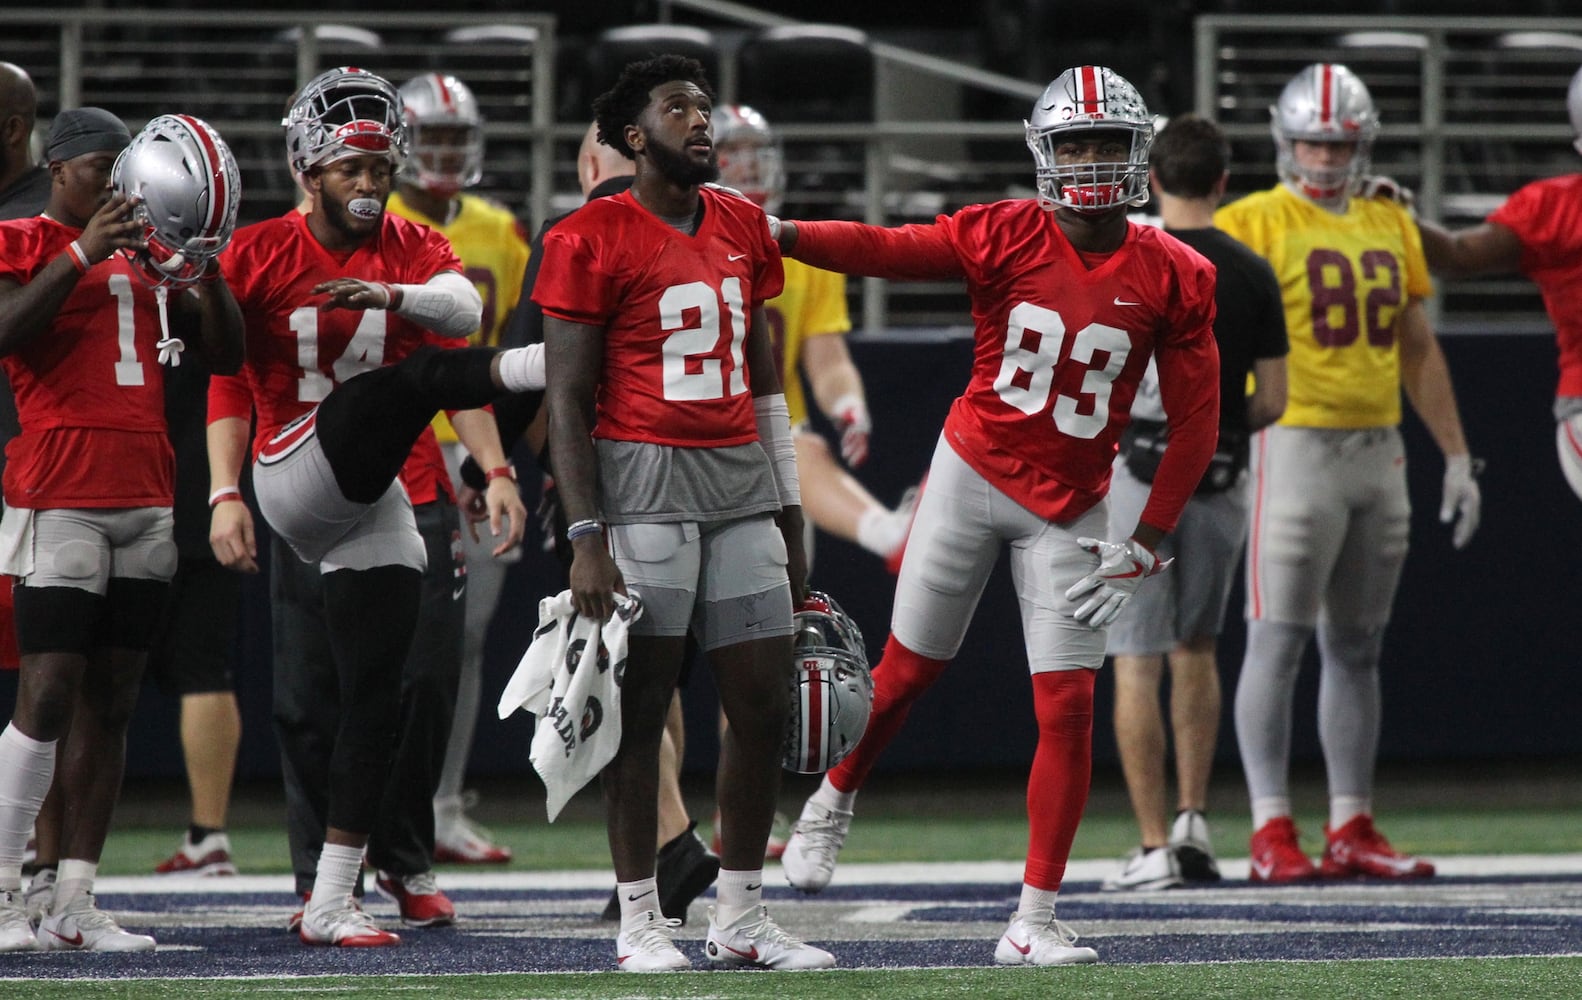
(653, 320)
(339, 297)
(1330, 512)
(88, 530)
(445, 128)
(1538, 232)
(1070, 301)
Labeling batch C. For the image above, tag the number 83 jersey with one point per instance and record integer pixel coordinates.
(1345, 278)
(1061, 341)
(674, 309)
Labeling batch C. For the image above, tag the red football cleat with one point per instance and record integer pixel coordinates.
(418, 896)
(1277, 856)
(1359, 849)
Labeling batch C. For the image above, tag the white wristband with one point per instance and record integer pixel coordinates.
(774, 432)
(522, 368)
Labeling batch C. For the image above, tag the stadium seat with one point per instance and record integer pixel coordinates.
(615, 47)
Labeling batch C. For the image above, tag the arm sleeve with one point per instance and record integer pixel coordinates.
(1188, 365)
(904, 253)
(448, 304)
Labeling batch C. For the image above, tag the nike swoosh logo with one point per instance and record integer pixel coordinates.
(640, 895)
(1122, 302)
(734, 256)
(755, 887)
(1023, 948)
(456, 594)
(75, 940)
(750, 954)
(1263, 869)
(755, 624)
(1137, 570)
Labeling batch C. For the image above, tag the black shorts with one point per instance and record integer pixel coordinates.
(192, 652)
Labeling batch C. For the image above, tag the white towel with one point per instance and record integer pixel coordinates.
(574, 687)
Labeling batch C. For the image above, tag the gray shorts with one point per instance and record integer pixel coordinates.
(724, 579)
(85, 547)
(299, 497)
(1186, 601)
(1329, 526)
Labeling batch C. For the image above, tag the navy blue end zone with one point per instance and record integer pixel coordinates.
(909, 916)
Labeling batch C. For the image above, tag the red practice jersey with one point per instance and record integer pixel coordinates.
(296, 352)
(90, 394)
(1547, 217)
(1059, 348)
(674, 309)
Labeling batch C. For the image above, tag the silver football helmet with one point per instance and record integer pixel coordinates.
(344, 112)
(1081, 100)
(1326, 102)
(832, 690)
(751, 160)
(1574, 107)
(185, 186)
(445, 132)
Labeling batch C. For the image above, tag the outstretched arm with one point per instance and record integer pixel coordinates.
(1489, 248)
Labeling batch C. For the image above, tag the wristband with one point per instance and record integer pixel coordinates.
(499, 472)
(392, 296)
(223, 494)
(79, 259)
(577, 529)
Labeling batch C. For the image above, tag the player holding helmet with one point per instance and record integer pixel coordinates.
(346, 297)
(446, 135)
(1071, 300)
(1330, 513)
(87, 531)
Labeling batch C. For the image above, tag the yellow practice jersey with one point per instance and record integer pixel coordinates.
(1345, 280)
(493, 249)
(813, 304)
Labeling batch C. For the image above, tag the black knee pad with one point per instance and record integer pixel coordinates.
(133, 611)
(57, 619)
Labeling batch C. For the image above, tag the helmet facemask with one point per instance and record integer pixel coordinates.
(1080, 102)
(1326, 102)
(345, 112)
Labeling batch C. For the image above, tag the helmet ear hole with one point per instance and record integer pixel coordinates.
(831, 688)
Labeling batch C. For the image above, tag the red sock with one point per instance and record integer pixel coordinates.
(899, 678)
(1057, 788)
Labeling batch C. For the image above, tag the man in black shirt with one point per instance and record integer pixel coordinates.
(1180, 614)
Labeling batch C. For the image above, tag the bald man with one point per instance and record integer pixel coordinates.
(24, 184)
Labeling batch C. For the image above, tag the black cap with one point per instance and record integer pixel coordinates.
(86, 130)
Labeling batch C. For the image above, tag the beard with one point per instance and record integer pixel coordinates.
(674, 165)
(348, 223)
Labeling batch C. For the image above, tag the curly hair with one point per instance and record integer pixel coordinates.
(620, 106)
(1189, 156)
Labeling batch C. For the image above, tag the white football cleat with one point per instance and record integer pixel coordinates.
(16, 930)
(344, 926)
(757, 940)
(1194, 850)
(1039, 939)
(1146, 870)
(815, 843)
(82, 926)
(645, 946)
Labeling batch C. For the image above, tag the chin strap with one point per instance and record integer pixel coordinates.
(170, 348)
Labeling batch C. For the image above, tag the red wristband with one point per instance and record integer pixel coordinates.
(499, 472)
(223, 494)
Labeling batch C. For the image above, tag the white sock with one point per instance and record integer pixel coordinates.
(74, 878)
(882, 531)
(1036, 902)
(522, 368)
(336, 876)
(1345, 808)
(637, 898)
(27, 766)
(738, 894)
(831, 797)
(1273, 807)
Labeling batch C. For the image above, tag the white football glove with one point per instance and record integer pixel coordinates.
(1380, 186)
(1462, 497)
(1123, 566)
(852, 420)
